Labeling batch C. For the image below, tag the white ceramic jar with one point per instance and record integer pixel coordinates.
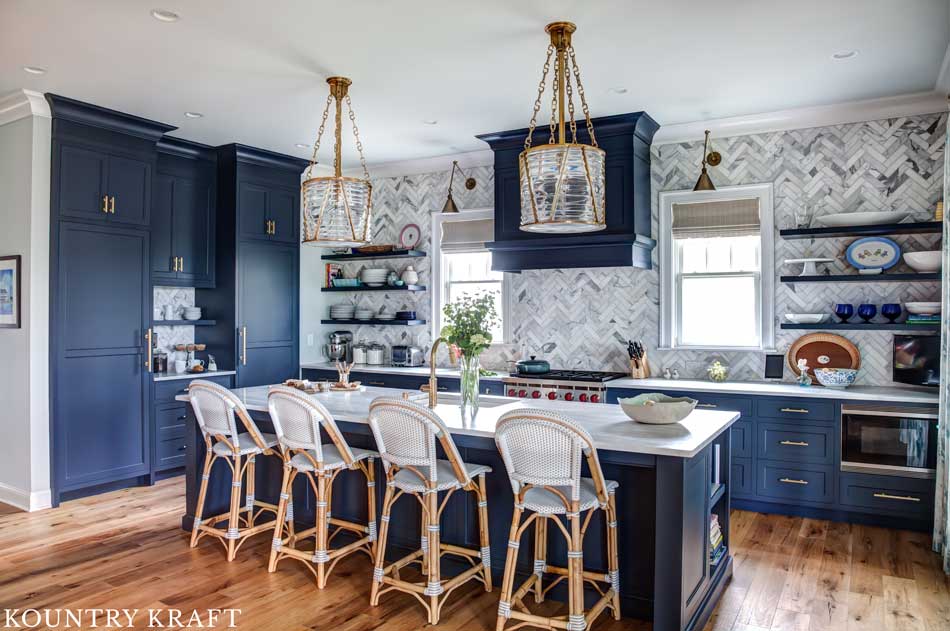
(410, 276)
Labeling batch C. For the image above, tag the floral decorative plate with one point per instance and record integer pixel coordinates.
(873, 253)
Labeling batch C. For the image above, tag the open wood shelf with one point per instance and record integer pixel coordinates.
(861, 326)
(864, 278)
(392, 254)
(924, 227)
(377, 322)
(383, 288)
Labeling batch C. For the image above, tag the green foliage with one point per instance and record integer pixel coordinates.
(469, 321)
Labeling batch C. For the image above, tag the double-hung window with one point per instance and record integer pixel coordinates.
(717, 269)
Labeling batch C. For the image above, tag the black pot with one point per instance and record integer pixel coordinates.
(532, 366)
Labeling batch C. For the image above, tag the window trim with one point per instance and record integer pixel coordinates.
(667, 253)
(438, 270)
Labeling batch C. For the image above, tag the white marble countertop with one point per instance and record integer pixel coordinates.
(172, 376)
(417, 371)
(779, 389)
(608, 425)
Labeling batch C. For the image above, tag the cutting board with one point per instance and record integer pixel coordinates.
(823, 350)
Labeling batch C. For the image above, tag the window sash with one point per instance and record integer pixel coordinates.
(757, 285)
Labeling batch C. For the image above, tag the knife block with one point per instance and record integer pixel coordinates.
(640, 368)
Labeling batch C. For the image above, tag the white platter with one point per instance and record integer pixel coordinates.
(807, 318)
(861, 219)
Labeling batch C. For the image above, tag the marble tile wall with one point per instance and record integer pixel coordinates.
(169, 336)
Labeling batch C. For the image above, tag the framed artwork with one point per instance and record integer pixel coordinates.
(10, 292)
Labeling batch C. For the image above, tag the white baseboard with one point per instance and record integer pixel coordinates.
(38, 500)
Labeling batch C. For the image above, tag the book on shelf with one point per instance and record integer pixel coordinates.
(333, 271)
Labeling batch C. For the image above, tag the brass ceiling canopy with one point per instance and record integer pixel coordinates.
(470, 183)
(712, 158)
(562, 181)
(337, 210)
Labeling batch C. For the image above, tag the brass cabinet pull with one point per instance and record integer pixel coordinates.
(795, 410)
(244, 346)
(269, 227)
(181, 264)
(112, 204)
(148, 342)
(903, 498)
(273, 226)
(794, 443)
(105, 203)
(791, 481)
(174, 263)
(706, 405)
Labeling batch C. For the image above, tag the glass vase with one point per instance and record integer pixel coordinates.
(469, 385)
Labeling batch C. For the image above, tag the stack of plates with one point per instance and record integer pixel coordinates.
(191, 313)
(364, 314)
(385, 315)
(374, 276)
(342, 312)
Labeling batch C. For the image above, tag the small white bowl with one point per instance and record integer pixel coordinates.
(657, 409)
(807, 318)
(923, 262)
(923, 308)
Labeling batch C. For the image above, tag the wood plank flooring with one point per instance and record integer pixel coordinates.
(125, 550)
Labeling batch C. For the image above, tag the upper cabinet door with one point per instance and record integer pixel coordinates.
(163, 266)
(283, 214)
(194, 230)
(82, 182)
(129, 189)
(252, 211)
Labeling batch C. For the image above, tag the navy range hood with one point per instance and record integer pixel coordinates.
(627, 240)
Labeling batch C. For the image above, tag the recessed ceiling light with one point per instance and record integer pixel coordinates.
(193, 114)
(618, 90)
(34, 69)
(300, 145)
(164, 15)
(430, 121)
(844, 54)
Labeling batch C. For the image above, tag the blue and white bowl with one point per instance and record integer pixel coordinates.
(836, 377)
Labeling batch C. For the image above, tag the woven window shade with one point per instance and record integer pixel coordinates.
(732, 218)
(467, 236)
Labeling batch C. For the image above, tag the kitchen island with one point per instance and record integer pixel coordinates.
(672, 478)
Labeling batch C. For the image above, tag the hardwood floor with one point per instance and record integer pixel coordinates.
(125, 550)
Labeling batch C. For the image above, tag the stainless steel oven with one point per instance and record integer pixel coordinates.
(889, 440)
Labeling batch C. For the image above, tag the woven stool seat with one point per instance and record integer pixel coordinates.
(445, 478)
(246, 445)
(332, 458)
(547, 502)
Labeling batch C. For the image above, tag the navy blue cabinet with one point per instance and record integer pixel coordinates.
(268, 212)
(96, 185)
(169, 419)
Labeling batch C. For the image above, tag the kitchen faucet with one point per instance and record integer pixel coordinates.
(433, 387)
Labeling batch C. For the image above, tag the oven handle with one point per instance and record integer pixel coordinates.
(921, 413)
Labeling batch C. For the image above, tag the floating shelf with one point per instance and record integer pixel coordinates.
(377, 322)
(863, 278)
(717, 494)
(392, 254)
(184, 322)
(924, 227)
(860, 326)
(383, 288)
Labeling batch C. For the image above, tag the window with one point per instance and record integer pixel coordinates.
(462, 265)
(717, 269)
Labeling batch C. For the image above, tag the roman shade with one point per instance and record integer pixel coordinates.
(467, 236)
(729, 218)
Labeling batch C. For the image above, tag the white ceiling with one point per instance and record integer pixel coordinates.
(256, 69)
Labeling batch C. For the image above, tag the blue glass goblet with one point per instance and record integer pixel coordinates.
(844, 311)
(891, 311)
(866, 312)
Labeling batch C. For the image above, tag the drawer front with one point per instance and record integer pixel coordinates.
(171, 416)
(796, 443)
(315, 374)
(743, 433)
(878, 493)
(804, 483)
(170, 453)
(742, 478)
(795, 409)
(716, 402)
(492, 387)
(166, 391)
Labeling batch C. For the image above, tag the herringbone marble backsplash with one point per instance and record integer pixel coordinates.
(581, 318)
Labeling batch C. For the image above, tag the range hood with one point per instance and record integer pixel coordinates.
(627, 240)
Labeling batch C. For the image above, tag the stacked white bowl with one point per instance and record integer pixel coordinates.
(364, 314)
(191, 313)
(374, 276)
(342, 312)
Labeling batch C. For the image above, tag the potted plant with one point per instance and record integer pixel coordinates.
(468, 324)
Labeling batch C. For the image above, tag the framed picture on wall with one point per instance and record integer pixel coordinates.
(10, 292)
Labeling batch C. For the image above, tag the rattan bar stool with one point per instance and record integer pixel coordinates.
(297, 419)
(543, 453)
(216, 408)
(406, 435)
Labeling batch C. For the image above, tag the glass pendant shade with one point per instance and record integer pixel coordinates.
(562, 188)
(337, 211)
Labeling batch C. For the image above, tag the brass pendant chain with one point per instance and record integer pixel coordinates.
(537, 101)
(570, 106)
(580, 92)
(316, 145)
(356, 134)
(555, 86)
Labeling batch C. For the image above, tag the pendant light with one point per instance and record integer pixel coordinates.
(336, 209)
(712, 158)
(562, 181)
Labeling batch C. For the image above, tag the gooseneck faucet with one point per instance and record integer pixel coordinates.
(433, 381)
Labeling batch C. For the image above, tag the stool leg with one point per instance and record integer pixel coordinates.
(613, 557)
(424, 541)
(507, 581)
(321, 534)
(233, 518)
(202, 492)
(381, 546)
(575, 574)
(371, 504)
(483, 531)
(435, 557)
(279, 526)
(540, 556)
(249, 499)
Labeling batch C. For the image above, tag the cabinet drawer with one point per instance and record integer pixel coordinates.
(716, 402)
(804, 483)
(742, 478)
(167, 390)
(315, 374)
(170, 453)
(496, 388)
(743, 433)
(907, 496)
(171, 416)
(796, 443)
(798, 409)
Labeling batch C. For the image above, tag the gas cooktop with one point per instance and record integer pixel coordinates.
(590, 376)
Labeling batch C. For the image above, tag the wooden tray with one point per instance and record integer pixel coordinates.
(298, 384)
(352, 386)
(834, 351)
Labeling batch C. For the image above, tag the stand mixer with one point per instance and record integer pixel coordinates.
(339, 348)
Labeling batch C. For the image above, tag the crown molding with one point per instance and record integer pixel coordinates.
(807, 117)
(467, 160)
(21, 104)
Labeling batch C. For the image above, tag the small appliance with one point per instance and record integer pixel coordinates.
(774, 366)
(338, 347)
(160, 362)
(917, 360)
(889, 440)
(407, 356)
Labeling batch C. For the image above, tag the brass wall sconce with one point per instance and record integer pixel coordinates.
(470, 183)
(712, 158)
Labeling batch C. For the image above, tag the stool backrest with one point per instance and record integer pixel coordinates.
(297, 420)
(542, 448)
(406, 434)
(218, 410)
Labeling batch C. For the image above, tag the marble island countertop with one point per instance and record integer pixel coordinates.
(610, 428)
